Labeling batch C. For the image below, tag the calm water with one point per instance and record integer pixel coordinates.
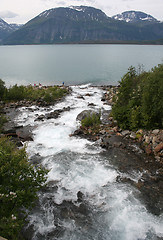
(74, 64)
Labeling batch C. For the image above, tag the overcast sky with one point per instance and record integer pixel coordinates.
(21, 11)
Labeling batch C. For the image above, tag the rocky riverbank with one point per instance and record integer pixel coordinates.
(145, 148)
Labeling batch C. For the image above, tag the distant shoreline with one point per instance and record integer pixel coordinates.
(102, 42)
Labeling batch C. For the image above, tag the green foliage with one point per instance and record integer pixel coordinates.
(2, 121)
(139, 102)
(16, 93)
(19, 184)
(2, 89)
(50, 94)
(91, 120)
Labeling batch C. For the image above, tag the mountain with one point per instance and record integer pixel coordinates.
(135, 17)
(6, 29)
(81, 25)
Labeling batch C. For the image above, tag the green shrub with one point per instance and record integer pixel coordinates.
(91, 120)
(16, 93)
(50, 94)
(2, 89)
(139, 102)
(2, 121)
(19, 184)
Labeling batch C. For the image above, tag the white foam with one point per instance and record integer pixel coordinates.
(75, 165)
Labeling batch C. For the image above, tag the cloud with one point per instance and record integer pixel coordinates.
(61, 3)
(8, 14)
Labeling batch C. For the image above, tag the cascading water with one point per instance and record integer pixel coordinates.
(82, 200)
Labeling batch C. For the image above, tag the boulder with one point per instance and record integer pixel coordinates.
(85, 113)
(25, 133)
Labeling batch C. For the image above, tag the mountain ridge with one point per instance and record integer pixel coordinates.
(135, 17)
(6, 29)
(79, 24)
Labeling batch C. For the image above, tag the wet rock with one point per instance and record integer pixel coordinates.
(83, 209)
(25, 133)
(80, 97)
(77, 132)
(40, 117)
(56, 233)
(36, 159)
(91, 104)
(88, 95)
(10, 127)
(80, 196)
(55, 114)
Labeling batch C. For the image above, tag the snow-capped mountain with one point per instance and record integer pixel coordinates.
(82, 24)
(6, 29)
(135, 17)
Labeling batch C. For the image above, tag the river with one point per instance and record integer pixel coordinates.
(83, 199)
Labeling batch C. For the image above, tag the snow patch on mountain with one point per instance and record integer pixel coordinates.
(135, 17)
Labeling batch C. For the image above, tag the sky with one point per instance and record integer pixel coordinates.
(21, 11)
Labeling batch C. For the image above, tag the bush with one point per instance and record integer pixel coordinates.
(139, 102)
(16, 93)
(19, 184)
(50, 94)
(91, 120)
(2, 121)
(2, 89)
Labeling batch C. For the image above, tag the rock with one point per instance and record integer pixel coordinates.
(155, 140)
(91, 104)
(88, 95)
(119, 134)
(156, 131)
(77, 132)
(159, 147)
(80, 97)
(148, 149)
(133, 135)
(125, 132)
(36, 159)
(85, 114)
(115, 129)
(147, 139)
(80, 196)
(25, 133)
(55, 114)
(40, 118)
(117, 144)
(102, 132)
(105, 117)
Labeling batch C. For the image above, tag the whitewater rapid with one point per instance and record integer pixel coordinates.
(106, 209)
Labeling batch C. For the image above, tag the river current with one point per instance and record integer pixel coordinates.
(82, 200)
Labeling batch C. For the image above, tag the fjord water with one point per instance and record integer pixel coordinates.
(105, 209)
(74, 64)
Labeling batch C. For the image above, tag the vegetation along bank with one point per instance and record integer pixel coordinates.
(136, 117)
